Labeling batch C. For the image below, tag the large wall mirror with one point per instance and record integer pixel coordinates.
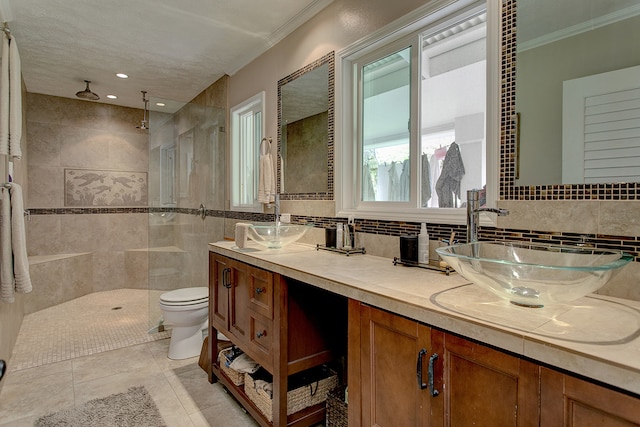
(575, 118)
(305, 132)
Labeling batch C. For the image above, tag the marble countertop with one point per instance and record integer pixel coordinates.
(596, 336)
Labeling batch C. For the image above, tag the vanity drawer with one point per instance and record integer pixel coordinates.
(261, 341)
(260, 291)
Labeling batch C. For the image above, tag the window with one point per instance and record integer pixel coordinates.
(414, 137)
(247, 128)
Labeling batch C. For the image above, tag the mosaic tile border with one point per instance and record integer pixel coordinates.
(329, 59)
(508, 147)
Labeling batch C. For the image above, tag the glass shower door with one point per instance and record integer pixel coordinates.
(186, 196)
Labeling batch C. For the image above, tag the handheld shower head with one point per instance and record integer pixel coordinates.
(87, 94)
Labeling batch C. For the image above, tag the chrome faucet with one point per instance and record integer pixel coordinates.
(276, 207)
(473, 214)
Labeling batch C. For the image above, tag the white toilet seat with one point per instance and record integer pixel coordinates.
(185, 297)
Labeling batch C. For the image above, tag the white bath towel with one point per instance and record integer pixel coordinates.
(267, 180)
(4, 97)
(7, 281)
(15, 97)
(10, 99)
(14, 262)
(19, 241)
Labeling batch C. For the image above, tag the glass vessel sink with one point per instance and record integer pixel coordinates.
(532, 274)
(276, 235)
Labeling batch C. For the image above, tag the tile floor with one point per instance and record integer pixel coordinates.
(65, 378)
(116, 319)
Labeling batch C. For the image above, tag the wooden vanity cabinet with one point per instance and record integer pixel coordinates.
(285, 325)
(484, 386)
(390, 385)
(229, 297)
(572, 402)
(383, 380)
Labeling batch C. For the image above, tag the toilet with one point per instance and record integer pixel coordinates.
(186, 310)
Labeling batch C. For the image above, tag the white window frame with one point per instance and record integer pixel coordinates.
(243, 157)
(347, 177)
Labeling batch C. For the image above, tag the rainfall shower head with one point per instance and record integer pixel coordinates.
(87, 94)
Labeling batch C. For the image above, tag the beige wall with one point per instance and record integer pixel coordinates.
(340, 24)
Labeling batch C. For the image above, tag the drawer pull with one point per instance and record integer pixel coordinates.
(432, 360)
(261, 334)
(421, 383)
(226, 278)
(260, 290)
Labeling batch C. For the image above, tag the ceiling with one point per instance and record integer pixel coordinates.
(173, 50)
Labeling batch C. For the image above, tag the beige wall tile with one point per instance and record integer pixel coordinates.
(567, 216)
(625, 283)
(619, 218)
(46, 187)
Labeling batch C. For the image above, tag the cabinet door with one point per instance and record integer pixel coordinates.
(487, 387)
(391, 393)
(239, 302)
(572, 402)
(219, 277)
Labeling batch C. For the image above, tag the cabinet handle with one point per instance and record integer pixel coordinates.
(226, 278)
(421, 384)
(261, 334)
(432, 361)
(260, 290)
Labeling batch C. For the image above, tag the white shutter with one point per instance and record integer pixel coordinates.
(601, 128)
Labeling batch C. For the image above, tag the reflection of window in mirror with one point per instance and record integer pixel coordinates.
(421, 115)
(247, 130)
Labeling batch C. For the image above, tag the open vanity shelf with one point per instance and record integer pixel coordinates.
(284, 325)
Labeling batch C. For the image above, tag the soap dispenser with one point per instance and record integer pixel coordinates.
(423, 245)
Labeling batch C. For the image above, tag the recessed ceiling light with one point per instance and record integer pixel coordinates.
(160, 104)
(112, 97)
(122, 75)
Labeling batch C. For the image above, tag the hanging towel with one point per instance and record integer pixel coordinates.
(267, 177)
(19, 241)
(15, 98)
(14, 274)
(10, 99)
(448, 184)
(7, 281)
(4, 97)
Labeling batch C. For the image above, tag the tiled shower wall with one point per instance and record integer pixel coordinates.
(74, 134)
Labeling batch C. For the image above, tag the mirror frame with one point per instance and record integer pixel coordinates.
(329, 59)
(509, 144)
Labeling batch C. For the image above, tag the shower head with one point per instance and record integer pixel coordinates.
(144, 124)
(87, 94)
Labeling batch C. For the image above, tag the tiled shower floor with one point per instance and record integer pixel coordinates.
(91, 324)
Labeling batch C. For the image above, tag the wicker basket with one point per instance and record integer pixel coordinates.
(236, 377)
(306, 389)
(337, 414)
